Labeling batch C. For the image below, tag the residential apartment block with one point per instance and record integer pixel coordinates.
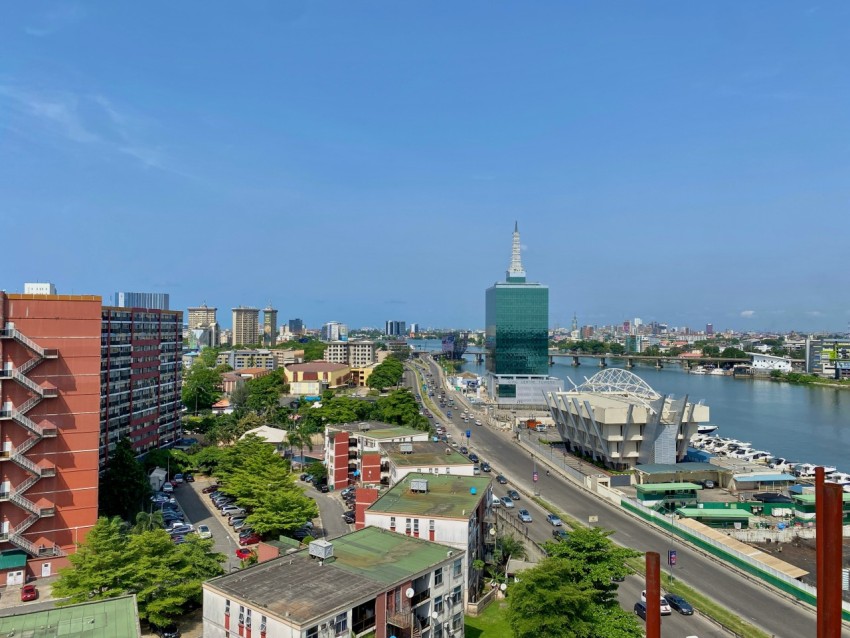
(353, 451)
(369, 582)
(50, 394)
(356, 354)
(238, 359)
(314, 377)
(153, 300)
(452, 510)
(246, 327)
(141, 378)
(269, 326)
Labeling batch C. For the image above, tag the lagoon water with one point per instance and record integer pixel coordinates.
(803, 423)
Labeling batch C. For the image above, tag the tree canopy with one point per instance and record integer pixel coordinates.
(201, 385)
(386, 374)
(115, 560)
(124, 486)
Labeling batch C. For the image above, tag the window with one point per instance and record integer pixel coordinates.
(448, 470)
(456, 595)
(456, 568)
(438, 603)
(263, 623)
(457, 621)
(438, 629)
(226, 607)
(313, 632)
(341, 624)
(416, 527)
(241, 615)
(407, 526)
(438, 575)
(392, 523)
(248, 619)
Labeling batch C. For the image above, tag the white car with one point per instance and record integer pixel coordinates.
(508, 502)
(204, 531)
(665, 606)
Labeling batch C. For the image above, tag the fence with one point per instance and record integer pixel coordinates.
(473, 609)
(774, 577)
(504, 521)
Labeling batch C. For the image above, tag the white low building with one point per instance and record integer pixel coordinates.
(771, 362)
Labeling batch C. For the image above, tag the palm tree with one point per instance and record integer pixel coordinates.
(146, 522)
(510, 547)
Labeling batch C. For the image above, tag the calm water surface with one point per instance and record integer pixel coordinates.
(804, 423)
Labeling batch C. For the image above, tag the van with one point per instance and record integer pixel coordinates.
(476, 469)
(495, 501)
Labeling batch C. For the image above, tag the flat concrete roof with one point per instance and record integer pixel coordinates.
(659, 487)
(809, 499)
(365, 563)
(673, 468)
(425, 453)
(394, 432)
(447, 496)
(697, 512)
(765, 478)
(112, 618)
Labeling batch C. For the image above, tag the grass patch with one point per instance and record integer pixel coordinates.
(493, 623)
(702, 603)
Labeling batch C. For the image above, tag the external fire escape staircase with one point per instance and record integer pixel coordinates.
(37, 433)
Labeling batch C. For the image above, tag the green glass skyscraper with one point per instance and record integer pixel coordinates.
(517, 323)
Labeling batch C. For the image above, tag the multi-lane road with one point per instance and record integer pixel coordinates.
(761, 606)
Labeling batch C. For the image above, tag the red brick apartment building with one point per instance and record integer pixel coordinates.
(50, 392)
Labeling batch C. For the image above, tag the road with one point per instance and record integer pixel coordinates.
(752, 601)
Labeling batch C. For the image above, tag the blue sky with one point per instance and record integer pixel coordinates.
(679, 162)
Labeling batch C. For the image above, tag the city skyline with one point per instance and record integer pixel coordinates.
(684, 165)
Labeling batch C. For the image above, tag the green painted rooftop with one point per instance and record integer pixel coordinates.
(809, 499)
(385, 556)
(659, 487)
(113, 618)
(426, 453)
(697, 512)
(448, 496)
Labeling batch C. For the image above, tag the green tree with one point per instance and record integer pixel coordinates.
(124, 487)
(148, 521)
(652, 351)
(264, 392)
(282, 511)
(318, 470)
(201, 387)
(509, 546)
(239, 396)
(733, 353)
(400, 408)
(386, 374)
(710, 351)
(97, 566)
(314, 350)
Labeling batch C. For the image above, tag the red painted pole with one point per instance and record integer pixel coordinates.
(653, 595)
(819, 545)
(832, 559)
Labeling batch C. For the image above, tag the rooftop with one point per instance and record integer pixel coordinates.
(395, 432)
(646, 487)
(447, 496)
(809, 499)
(317, 366)
(365, 563)
(267, 433)
(773, 477)
(112, 618)
(672, 468)
(698, 512)
(425, 453)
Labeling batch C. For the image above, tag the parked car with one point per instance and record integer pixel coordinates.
(679, 604)
(524, 516)
(189, 478)
(559, 534)
(485, 467)
(348, 519)
(513, 494)
(251, 539)
(167, 488)
(324, 489)
(707, 484)
(169, 631)
(178, 478)
(501, 480)
(473, 457)
(28, 592)
(181, 529)
(640, 609)
(204, 531)
(232, 510)
(246, 531)
(507, 502)
(235, 520)
(464, 450)
(554, 520)
(244, 553)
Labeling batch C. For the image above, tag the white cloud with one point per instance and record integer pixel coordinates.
(59, 111)
(748, 313)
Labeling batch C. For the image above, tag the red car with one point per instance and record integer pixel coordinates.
(209, 489)
(249, 540)
(28, 592)
(243, 553)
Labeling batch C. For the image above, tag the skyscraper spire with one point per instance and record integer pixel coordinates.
(516, 273)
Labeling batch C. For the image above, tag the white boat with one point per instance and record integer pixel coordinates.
(781, 464)
(720, 372)
(698, 370)
(706, 429)
(807, 470)
(842, 478)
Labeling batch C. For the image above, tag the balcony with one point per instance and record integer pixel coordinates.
(403, 618)
(421, 597)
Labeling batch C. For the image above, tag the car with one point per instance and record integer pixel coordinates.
(524, 516)
(679, 604)
(230, 510)
(178, 539)
(238, 525)
(473, 457)
(464, 450)
(308, 478)
(507, 502)
(449, 414)
(235, 520)
(707, 484)
(251, 539)
(181, 529)
(346, 491)
(178, 478)
(212, 494)
(640, 609)
(324, 489)
(501, 480)
(348, 519)
(485, 467)
(204, 531)
(554, 520)
(244, 553)
(665, 608)
(513, 494)
(559, 534)
(189, 478)
(477, 422)
(168, 631)
(28, 592)
(246, 531)
(167, 488)
(303, 476)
